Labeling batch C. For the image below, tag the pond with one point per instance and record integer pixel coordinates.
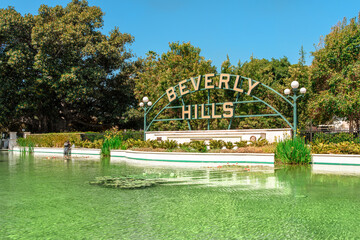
(47, 197)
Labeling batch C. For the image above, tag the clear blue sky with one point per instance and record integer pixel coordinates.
(267, 29)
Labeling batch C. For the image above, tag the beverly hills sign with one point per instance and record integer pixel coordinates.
(174, 99)
(198, 111)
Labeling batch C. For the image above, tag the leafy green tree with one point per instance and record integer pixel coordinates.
(158, 73)
(335, 73)
(74, 77)
(276, 73)
(16, 58)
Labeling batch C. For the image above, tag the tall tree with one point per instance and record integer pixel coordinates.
(159, 73)
(16, 60)
(277, 74)
(77, 77)
(335, 73)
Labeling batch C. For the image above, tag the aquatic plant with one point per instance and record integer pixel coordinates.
(26, 143)
(292, 151)
(123, 182)
(114, 142)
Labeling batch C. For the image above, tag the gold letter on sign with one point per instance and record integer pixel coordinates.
(213, 113)
(171, 94)
(182, 87)
(203, 112)
(197, 84)
(188, 112)
(228, 107)
(196, 112)
(224, 79)
(251, 87)
(208, 81)
(236, 85)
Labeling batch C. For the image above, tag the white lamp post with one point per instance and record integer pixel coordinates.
(145, 104)
(295, 88)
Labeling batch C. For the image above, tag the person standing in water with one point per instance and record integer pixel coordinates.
(67, 148)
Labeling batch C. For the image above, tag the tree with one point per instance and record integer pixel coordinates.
(16, 58)
(76, 77)
(158, 73)
(335, 73)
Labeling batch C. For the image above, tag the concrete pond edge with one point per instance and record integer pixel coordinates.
(188, 157)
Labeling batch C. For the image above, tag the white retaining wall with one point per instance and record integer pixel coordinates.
(222, 158)
(319, 161)
(271, 135)
(76, 152)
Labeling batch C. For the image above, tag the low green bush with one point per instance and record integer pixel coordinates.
(198, 146)
(336, 148)
(293, 151)
(53, 139)
(168, 144)
(241, 144)
(259, 142)
(335, 137)
(216, 144)
(229, 145)
(185, 146)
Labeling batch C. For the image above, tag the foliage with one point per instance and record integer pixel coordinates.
(58, 69)
(26, 143)
(241, 144)
(334, 137)
(53, 139)
(229, 145)
(88, 144)
(185, 146)
(123, 182)
(198, 146)
(216, 144)
(277, 74)
(334, 75)
(292, 151)
(259, 142)
(159, 72)
(168, 144)
(336, 148)
(113, 142)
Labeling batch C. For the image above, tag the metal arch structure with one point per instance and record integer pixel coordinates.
(276, 113)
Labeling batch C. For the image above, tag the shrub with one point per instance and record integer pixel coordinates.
(292, 151)
(216, 144)
(259, 143)
(229, 145)
(241, 144)
(334, 137)
(198, 146)
(336, 148)
(168, 144)
(53, 139)
(185, 147)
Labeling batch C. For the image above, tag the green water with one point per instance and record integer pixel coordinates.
(44, 198)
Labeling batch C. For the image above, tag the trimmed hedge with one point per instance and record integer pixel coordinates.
(53, 139)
